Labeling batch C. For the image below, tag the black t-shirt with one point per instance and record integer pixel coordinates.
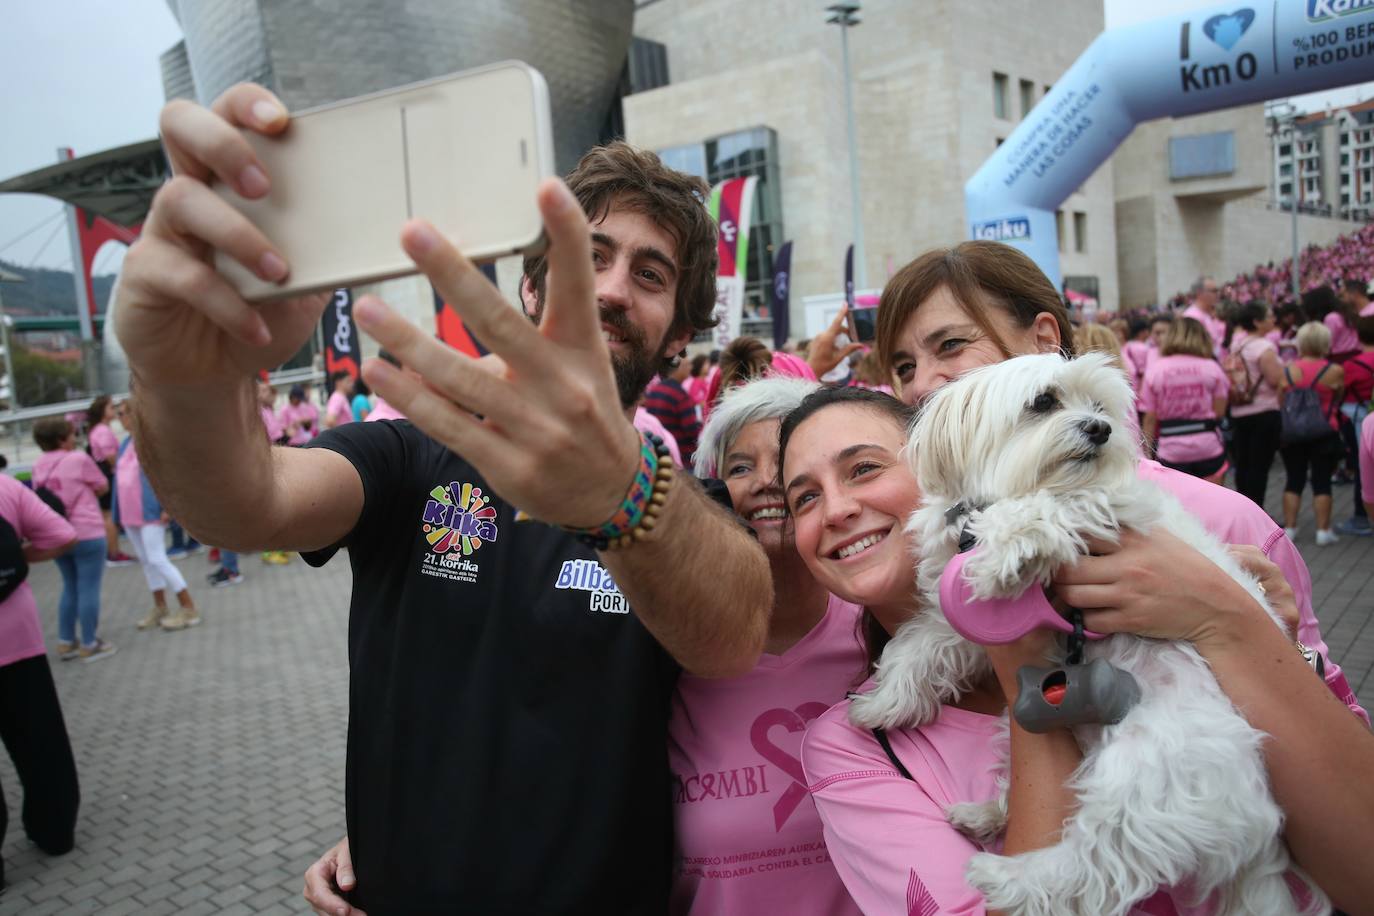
(507, 737)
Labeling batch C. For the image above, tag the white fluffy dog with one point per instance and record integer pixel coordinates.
(1174, 795)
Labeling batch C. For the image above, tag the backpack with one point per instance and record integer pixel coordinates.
(1302, 415)
(53, 501)
(1238, 373)
(14, 569)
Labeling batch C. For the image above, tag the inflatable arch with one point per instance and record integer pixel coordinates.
(1179, 65)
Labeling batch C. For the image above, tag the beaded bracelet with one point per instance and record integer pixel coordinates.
(638, 514)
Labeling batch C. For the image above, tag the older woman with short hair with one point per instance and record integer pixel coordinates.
(1312, 369)
(738, 787)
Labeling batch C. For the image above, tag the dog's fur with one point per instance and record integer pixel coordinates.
(1174, 795)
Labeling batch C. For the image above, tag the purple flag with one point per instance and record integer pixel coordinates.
(782, 288)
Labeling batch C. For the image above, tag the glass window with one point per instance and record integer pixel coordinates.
(1027, 97)
(999, 95)
(1059, 227)
(1286, 189)
(1285, 149)
(690, 159)
(1201, 155)
(1080, 232)
(1000, 141)
(1286, 168)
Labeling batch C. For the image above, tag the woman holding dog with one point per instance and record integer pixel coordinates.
(944, 314)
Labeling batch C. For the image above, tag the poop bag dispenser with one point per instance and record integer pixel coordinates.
(1075, 693)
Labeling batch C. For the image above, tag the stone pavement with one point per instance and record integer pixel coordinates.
(212, 760)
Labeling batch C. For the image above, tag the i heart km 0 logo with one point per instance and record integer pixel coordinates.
(1228, 28)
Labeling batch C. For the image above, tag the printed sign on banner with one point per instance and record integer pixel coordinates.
(340, 335)
(731, 206)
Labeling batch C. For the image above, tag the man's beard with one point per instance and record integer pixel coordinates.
(634, 369)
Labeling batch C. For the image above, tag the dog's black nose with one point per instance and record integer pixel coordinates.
(1097, 431)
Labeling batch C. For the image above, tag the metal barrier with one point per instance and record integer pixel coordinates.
(16, 424)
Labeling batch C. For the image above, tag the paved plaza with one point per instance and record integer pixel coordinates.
(212, 760)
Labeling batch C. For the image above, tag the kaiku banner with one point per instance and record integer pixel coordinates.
(340, 335)
(1177, 65)
(781, 294)
(731, 205)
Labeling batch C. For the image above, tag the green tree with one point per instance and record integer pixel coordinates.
(40, 380)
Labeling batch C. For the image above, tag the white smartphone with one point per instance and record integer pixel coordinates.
(464, 151)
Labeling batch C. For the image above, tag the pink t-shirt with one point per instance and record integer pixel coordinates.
(384, 411)
(888, 834)
(1234, 519)
(338, 410)
(1182, 387)
(1367, 311)
(1252, 350)
(1135, 358)
(646, 422)
(104, 445)
(306, 412)
(1344, 340)
(75, 478)
(272, 423)
(748, 835)
(21, 634)
(1215, 326)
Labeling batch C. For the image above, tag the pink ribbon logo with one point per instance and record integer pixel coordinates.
(794, 720)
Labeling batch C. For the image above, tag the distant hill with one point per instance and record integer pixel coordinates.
(48, 292)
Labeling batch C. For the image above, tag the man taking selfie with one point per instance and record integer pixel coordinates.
(509, 682)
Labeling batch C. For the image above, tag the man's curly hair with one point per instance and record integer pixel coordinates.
(622, 175)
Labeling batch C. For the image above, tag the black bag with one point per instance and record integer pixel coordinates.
(1303, 419)
(14, 569)
(53, 501)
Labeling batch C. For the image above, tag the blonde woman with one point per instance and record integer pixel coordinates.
(1312, 369)
(1183, 398)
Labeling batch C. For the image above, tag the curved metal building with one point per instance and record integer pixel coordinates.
(315, 51)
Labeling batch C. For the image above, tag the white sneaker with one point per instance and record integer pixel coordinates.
(1326, 537)
(1292, 534)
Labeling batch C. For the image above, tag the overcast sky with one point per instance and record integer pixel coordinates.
(85, 74)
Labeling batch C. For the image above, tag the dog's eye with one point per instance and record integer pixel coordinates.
(1044, 402)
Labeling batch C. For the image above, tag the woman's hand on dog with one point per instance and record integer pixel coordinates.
(1158, 586)
(1272, 582)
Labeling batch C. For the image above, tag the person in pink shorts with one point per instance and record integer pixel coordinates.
(74, 478)
(883, 795)
(747, 833)
(1183, 398)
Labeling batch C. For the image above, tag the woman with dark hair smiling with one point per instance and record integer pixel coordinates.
(850, 494)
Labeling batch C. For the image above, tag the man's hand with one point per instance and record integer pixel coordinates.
(327, 878)
(546, 429)
(823, 355)
(178, 320)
